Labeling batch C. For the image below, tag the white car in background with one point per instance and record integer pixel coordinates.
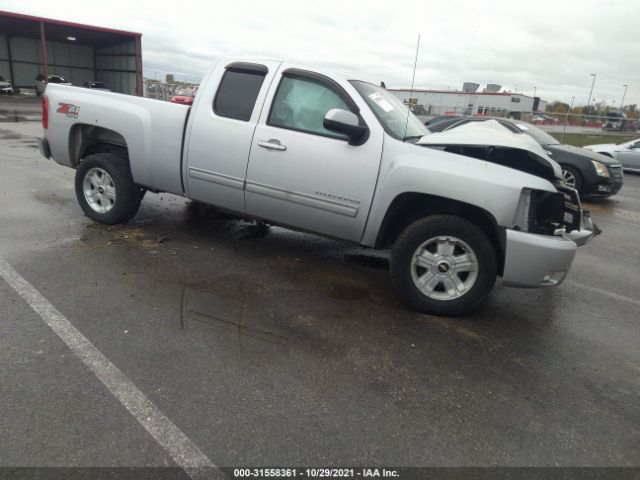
(41, 82)
(628, 154)
(5, 86)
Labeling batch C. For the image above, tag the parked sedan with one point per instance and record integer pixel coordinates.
(592, 174)
(185, 97)
(544, 119)
(96, 86)
(449, 119)
(5, 86)
(41, 82)
(628, 154)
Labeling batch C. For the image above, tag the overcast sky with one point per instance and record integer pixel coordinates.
(551, 45)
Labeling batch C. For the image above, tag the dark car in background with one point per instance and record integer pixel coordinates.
(96, 86)
(450, 119)
(441, 123)
(590, 173)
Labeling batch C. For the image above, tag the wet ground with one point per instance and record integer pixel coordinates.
(280, 348)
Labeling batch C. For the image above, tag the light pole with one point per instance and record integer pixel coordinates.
(591, 91)
(623, 95)
(564, 129)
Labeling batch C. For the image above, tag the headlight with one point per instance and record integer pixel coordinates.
(601, 169)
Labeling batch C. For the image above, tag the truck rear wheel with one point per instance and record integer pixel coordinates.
(105, 189)
(443, 265)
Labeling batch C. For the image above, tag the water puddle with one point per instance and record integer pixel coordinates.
(226, 321)
(14, 116)
(9, 135)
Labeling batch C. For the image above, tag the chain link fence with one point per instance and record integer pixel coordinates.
(548, 120)
(611, 122)
(164, 91)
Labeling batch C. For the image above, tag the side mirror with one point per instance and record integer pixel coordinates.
(348, 123)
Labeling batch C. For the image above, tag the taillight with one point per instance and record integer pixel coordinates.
(45, 112)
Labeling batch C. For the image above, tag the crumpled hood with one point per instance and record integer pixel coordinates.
(582, 152)
(491, 134)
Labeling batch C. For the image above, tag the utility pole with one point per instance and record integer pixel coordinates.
(623, 95)
(591, 91)
(564, 129)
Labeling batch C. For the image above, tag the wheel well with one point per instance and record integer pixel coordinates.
(409, 207)
(87, 139)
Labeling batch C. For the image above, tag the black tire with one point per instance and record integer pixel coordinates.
(576, 174)
(127, 195)
(421, 231)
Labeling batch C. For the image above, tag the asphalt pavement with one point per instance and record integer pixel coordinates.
(279, 348)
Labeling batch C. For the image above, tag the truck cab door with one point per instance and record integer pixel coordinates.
(301, 174)
(222, 127)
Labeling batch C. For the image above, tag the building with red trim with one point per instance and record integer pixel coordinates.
(460, 102)
(32, 46)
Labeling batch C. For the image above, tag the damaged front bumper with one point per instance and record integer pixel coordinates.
(533, 260)
(588, 230)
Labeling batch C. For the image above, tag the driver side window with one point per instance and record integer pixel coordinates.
(302, 103)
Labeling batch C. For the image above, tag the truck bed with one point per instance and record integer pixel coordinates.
(151, 129)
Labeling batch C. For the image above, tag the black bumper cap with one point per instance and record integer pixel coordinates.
(43, 146)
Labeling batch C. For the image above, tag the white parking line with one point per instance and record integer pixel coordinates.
(606, 293)
(183, 451)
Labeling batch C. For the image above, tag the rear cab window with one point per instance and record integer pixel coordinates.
(238, 90)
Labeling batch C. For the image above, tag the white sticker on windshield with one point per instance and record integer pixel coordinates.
(381, 102)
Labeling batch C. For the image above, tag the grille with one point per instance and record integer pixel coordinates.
(616, 172)
(571, 213)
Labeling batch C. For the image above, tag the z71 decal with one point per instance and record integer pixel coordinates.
(69, 109)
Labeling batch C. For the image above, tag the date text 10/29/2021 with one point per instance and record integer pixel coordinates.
(239, 473)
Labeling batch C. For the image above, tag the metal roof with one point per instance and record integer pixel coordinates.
(16, 24)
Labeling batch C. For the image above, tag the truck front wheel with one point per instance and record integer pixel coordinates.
(105, 189)
(443, 265)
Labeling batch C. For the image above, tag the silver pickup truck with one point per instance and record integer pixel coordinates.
(320, 151)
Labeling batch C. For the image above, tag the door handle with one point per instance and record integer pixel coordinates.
(272, 144)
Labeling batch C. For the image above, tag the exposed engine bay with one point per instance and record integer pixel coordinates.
(540, 212)
(516, 158)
